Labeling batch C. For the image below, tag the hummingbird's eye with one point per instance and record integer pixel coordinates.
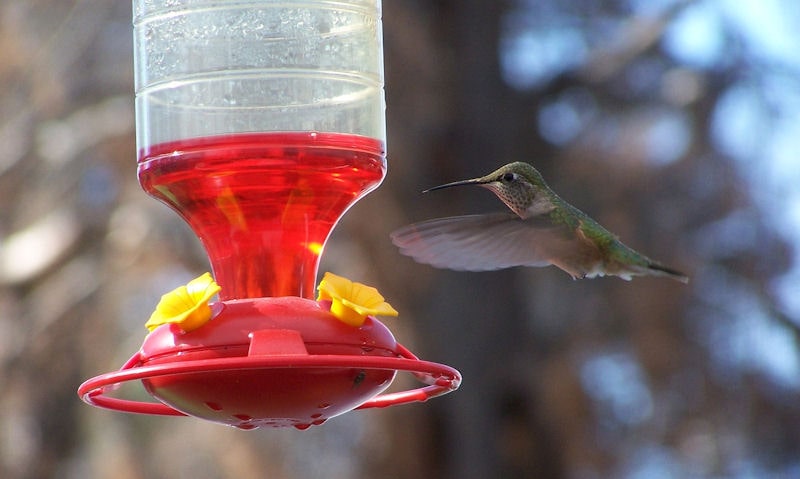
(508, 177)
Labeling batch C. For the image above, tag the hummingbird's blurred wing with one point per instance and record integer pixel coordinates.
(480, 242)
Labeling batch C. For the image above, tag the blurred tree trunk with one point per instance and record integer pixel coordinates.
(488, 425)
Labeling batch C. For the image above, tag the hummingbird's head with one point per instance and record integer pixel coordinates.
(519, 185)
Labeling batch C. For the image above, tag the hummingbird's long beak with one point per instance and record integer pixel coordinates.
(473, 181)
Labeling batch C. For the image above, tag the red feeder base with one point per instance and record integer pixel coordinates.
(269, 362)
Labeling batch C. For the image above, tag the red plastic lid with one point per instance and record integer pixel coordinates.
(233, 331)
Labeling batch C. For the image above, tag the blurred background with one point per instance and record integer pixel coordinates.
(676, 124)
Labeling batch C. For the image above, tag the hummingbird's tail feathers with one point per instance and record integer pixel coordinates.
(661, 270)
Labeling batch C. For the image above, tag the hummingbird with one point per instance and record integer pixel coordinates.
(541, 229)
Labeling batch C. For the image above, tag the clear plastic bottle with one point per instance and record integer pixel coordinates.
(211, 67)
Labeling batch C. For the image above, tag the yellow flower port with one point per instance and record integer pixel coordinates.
(187, 306)
(352, 302)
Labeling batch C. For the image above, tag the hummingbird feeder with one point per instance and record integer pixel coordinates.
(260, 122)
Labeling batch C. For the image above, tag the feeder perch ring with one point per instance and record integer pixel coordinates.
(439, 378)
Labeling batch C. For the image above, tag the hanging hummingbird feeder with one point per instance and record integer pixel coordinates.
(260, 123)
